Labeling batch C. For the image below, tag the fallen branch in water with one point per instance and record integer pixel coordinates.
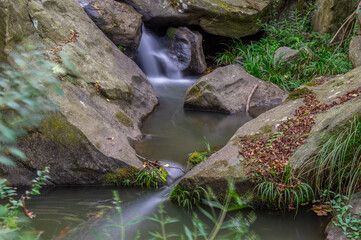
(26, 211)
(249, 98)
(155, 164)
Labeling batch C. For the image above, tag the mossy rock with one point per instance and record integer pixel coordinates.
(121, 175)
(124, 119)
(298, 93)
(59, 130)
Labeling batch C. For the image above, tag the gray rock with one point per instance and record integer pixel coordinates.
(229, 18)
(225, 163)
(335, 233)
(331, 14)
(185, 48)
(227, 90)
(159, 13)
(285, 56)
(355, 51)
(90, 134)
(120, 22)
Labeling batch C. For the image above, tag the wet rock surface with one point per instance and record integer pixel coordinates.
(185, 49)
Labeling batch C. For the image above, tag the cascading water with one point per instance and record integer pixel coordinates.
(153, 58)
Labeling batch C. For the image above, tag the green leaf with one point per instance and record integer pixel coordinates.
(16, 152)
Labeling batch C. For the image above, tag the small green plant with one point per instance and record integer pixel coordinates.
(349, 224)
(125, 176)
(337, 166)
(198, 157)
(121, 224)
(285, 192)
(121, 48)
(9, 213)
(258, 56)
(152, 178)
(187, 199)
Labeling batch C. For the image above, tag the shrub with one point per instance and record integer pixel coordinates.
(258, 57)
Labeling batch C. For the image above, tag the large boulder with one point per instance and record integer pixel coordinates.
(185, 49)
(229, 18)
(120, 22)
(330, 14)
(106, 95)
(160, 13)
(336, 233)
(227, 89)
(355, 51)
(225, 163)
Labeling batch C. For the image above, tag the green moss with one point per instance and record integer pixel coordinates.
(171, 33)
(311, 84)
(124, 176)
(298, 93)
(124, 119)
(58, 129)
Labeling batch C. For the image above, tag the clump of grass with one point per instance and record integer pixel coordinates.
(258, 57)
(124, 176)
(152, 178)
(337, 166)
(288, 191)
(187, 198)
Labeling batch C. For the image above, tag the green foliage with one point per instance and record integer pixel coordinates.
(350, 225)
(122, 225)
(198, 157)
(337, 166)
(286, 192)
(187, 199)
(258, 57)
(224, 226)
(9, 213)
(121, 48)
(152, 178)
(23, 97)
(125, 176)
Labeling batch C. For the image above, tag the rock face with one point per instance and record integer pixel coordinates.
(227, 90)
(226, 162)
(229, 18)
(120, 22)
(185, 48)
(285, 56)
(334, 233)
(330, 14)
(90, 134)
(355, 51)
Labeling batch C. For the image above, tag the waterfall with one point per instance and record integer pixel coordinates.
(154, 60)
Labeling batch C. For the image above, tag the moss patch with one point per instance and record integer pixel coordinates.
(59, 130)
(298, 93)
(122, 176)
(124, 119)
(171, 33)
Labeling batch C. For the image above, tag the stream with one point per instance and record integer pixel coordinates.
(170, 135)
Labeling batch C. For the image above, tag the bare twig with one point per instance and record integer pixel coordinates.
(156, 164)
(249, 98)
(345, 27)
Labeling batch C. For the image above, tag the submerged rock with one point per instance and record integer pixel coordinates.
(85, 139)
(229, 18)
(185, 49)
(120, 22)
(226, 163)
(227, 90)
